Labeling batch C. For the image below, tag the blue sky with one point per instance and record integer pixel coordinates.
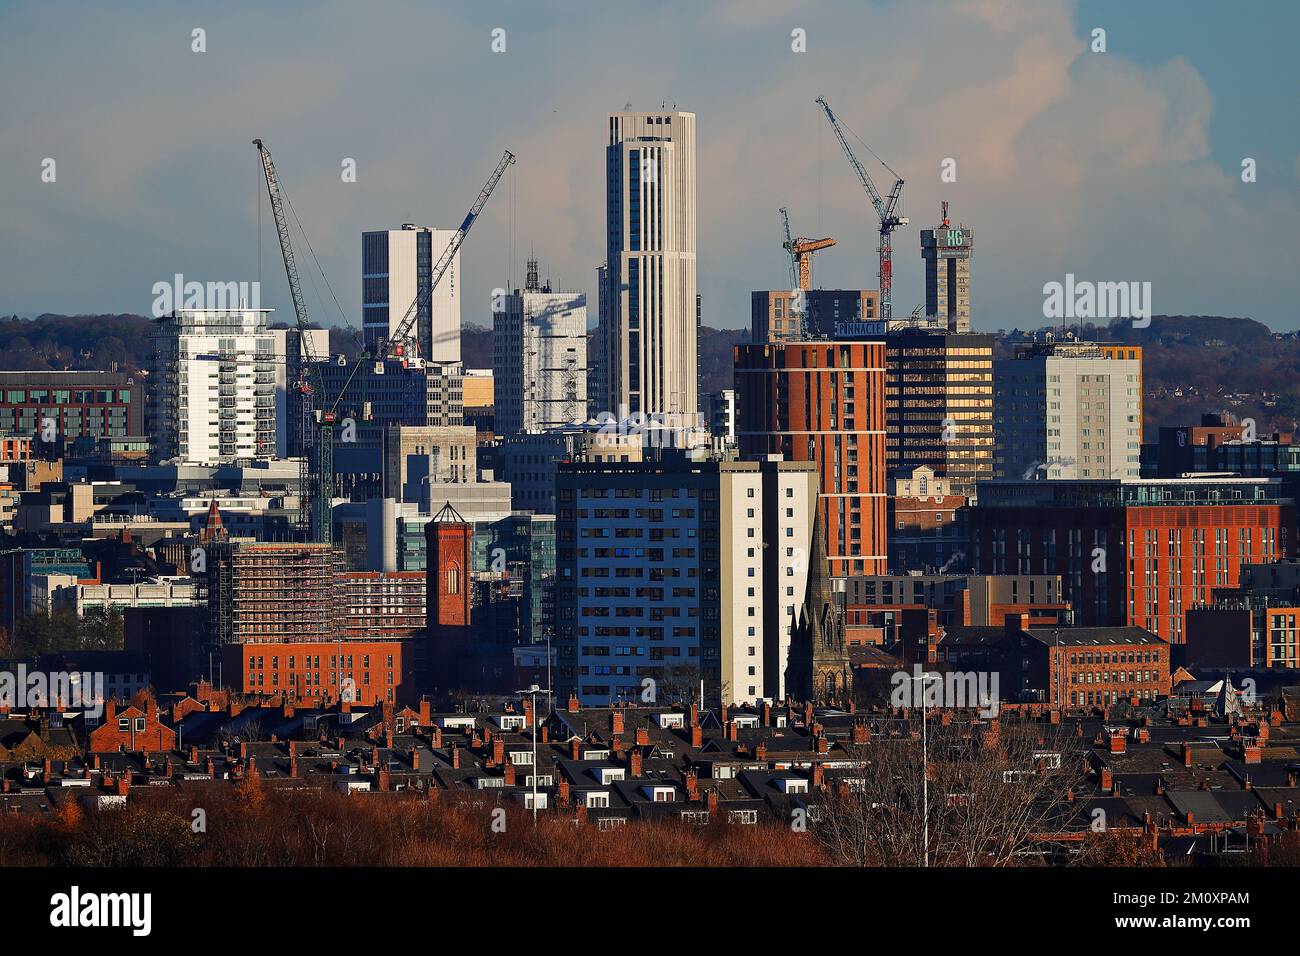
(1123, 165)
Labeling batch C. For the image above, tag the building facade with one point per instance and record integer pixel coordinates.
(539, 363)
(396, 265)
(292, 351)
(947, 251)
(927, 522)
(686, 574)
(939, 405)
(650, 322)
(1138, 552)
(418, 455)
(77, 404)
(365, 672)
(824, 402)
(213, 387)
(829, 314)
(1069, 410)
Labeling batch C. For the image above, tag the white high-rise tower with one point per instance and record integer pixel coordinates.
(649, 319)
(393, 264)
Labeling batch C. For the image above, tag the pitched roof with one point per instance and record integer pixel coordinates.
(448, 515)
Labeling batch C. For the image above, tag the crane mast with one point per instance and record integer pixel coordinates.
(801, 252)
(888, 210)
(315, 489)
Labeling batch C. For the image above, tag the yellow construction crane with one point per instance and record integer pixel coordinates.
(801, 251)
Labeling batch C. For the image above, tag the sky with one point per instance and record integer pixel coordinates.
(1122, 165)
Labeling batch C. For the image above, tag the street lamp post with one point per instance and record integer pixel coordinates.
(925, 767)
(534, 690)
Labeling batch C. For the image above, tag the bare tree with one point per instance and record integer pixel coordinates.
(993, 788)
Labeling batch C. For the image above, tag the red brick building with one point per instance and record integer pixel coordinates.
(449, 595)
(1138, 552)
(1069, 667)
(308, 672)
(131, 729)
(824, 402)
(927, 529)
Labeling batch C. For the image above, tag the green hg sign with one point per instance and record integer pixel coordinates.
(955, 237)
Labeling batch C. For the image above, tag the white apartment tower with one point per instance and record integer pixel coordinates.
(650, 311)
(213, 386)
(539, 358)
(1070, 410)
(394, 265)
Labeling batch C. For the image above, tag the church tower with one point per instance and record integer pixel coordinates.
(819, 666)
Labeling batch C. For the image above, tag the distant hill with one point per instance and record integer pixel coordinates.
(1205, 363)
(74, 342)
(1193, 363)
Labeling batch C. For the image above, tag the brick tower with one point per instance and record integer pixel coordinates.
(447, 543)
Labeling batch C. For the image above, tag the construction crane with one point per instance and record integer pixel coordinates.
(889, 211)
(321, 483)
(314, 491)
(401, 342)
(801, 251)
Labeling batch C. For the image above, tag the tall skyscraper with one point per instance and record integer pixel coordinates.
(947, 252)
(539, 358)
(1069, 410)
(650, 313)
(823, 402)
(394, 264)
(939, 404)
(213, 386)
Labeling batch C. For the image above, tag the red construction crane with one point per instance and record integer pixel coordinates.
(889, 211)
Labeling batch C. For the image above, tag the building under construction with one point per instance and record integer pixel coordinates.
(263, 593)
(539, 342)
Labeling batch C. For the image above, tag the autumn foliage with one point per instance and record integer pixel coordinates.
(255, 826)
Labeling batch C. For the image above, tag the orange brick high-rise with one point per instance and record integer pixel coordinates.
(823, 402)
